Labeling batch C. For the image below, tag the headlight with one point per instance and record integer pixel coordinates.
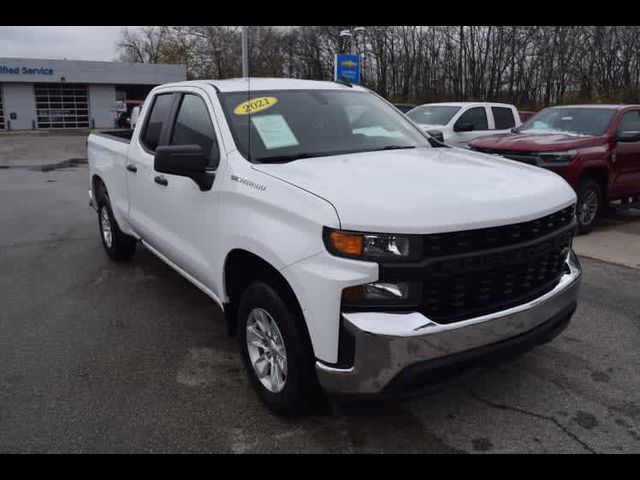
(558, 156)
(382, 247)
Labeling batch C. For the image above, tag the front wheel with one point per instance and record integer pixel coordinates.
(589, 205)
(276, 353)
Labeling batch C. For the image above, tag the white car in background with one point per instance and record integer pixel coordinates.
(461, 122)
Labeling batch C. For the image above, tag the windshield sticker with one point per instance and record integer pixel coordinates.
(255, 105)
(274, 131)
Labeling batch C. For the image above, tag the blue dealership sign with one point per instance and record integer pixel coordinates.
(5, 70)
(347, 67)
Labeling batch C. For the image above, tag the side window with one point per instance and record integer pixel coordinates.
(476, 116)
(156, 119)
(630, 122)
(193, 125)
(503, 118)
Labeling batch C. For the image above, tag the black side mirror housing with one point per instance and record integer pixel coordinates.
(463, 127)
(185, 161)
(629, 136)
(436, 138)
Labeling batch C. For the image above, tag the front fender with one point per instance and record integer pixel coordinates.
(272, 219)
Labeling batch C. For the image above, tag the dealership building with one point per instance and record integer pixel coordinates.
(61, 94)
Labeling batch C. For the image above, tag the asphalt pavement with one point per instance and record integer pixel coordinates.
(104, 357)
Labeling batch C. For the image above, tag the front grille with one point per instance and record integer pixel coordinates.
(496, 237)
(523, 157)
(484, 271)
(454, 297)
(478, 272)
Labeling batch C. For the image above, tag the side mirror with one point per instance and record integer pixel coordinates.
(628, 136)
(463, 127)
(436, 138)
(185, 161)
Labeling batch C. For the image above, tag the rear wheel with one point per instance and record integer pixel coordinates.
(119, 246)
(589, 205)
(276, 352)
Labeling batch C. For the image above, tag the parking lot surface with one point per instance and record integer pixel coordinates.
(615, 239)
(104, 357)
(41, 147)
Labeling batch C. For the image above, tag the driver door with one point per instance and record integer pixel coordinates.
(180, 220)
(627, 157)
(478, 118)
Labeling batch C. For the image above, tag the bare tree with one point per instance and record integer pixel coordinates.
(531, 66)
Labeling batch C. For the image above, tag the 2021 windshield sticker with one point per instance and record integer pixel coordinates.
(255, 105)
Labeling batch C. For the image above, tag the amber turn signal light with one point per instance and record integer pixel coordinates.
(346, 243)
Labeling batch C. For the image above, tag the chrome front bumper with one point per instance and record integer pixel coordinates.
(388, 343)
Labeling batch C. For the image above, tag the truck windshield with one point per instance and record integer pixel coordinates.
(577, 121)
(285, 125)
(433, 114)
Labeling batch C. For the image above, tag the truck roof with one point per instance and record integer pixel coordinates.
(255, 83)
(473, 104)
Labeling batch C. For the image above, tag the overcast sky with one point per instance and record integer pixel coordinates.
(72, 43)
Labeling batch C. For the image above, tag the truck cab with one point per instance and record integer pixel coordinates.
(461, 122)
(595, 148)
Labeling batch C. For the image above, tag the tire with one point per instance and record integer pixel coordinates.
(295, 391)
(589, 198)
(119, 246)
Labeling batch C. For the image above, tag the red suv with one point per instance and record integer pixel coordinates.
(595, 148)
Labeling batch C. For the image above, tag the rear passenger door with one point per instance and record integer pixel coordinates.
(504, 119)
(478, 118)
(144, 198)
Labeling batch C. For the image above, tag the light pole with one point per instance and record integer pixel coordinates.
(358, 31)
(245, 52)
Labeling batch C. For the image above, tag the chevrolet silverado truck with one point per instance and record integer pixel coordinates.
(349, 256)
(595, 148)
(459, 123)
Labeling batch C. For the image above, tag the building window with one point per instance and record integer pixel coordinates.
(2, 127)
(62, 105)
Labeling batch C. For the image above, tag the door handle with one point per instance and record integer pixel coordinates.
(132, 168)
(160, 180)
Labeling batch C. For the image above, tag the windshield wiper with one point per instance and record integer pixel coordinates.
(287, 158)
(300, 156)
(389, 147)
(398, 147)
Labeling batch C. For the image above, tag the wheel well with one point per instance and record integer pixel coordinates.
(98, 187)
(243, 268)
(599, 175)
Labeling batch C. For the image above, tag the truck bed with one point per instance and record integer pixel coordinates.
(119, 135)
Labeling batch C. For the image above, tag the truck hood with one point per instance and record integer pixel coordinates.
(535, 142)
(426, 190)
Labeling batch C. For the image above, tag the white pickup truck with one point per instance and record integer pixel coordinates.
(461, 122)
(348, 254)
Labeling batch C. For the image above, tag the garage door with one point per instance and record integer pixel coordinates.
(62, 105)
(1, 110)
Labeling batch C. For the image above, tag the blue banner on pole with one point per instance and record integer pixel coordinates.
(347, 67)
